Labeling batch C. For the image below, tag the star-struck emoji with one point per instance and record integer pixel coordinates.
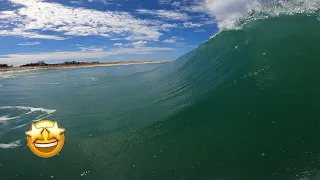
(35, 133)
(45, 138)
(55, 131)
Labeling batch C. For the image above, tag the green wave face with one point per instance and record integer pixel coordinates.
(247, 107)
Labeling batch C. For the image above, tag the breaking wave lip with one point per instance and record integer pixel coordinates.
(13, 144)
(232, 15)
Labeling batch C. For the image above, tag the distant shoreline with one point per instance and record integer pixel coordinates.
(86, 65)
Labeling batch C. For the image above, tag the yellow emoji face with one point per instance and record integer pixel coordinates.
(45, 138)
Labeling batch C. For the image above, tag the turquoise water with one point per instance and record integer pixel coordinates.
(244, 105)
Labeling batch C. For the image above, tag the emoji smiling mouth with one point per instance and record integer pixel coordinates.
(45, 145)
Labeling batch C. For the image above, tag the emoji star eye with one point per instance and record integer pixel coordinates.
(55, 131)
(35, 133)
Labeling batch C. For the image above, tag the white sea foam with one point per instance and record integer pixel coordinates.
(10, 74)
(50, 83)
(94, 79)
(14, 144)
(20, 126)
(7, 118)
(232, 14)
(32, 109)
(22, 118)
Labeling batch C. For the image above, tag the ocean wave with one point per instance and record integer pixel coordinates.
(233, 14)
(13, 144)
(15, 73)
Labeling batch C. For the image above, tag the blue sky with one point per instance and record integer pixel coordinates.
(103, 30)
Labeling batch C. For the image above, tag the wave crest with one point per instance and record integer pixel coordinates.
(232, 14)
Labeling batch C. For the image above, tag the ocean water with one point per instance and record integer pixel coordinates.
(245, 105)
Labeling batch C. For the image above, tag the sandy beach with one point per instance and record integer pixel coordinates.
(101, 64)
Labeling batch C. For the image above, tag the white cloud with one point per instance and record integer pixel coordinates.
(194, 7)
(117, 44)
(191, 24)
(199, 8)
(170, 41)
(181, 44)
(173, 39)
(75, 2)
(200, 30)
(32, 18)
(92, 48)
(34, 35)
(176, 4)
(222, 8)
(228, 12)
(164, 1)
(178, 38)
(96, 49)
(171, 15)
(28, 43)
(139, 43)
(77, 55)
(168, 27)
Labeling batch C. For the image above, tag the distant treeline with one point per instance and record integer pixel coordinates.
(5, 66)
(41, 63)
(68, 63)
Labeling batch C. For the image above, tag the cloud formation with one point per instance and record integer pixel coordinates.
(89, 53)
(164, 1)
(174, 39)
(191, 24)
(170, 15)
(140, 43)
(28, 43)
(118, 44)
(33, 17)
